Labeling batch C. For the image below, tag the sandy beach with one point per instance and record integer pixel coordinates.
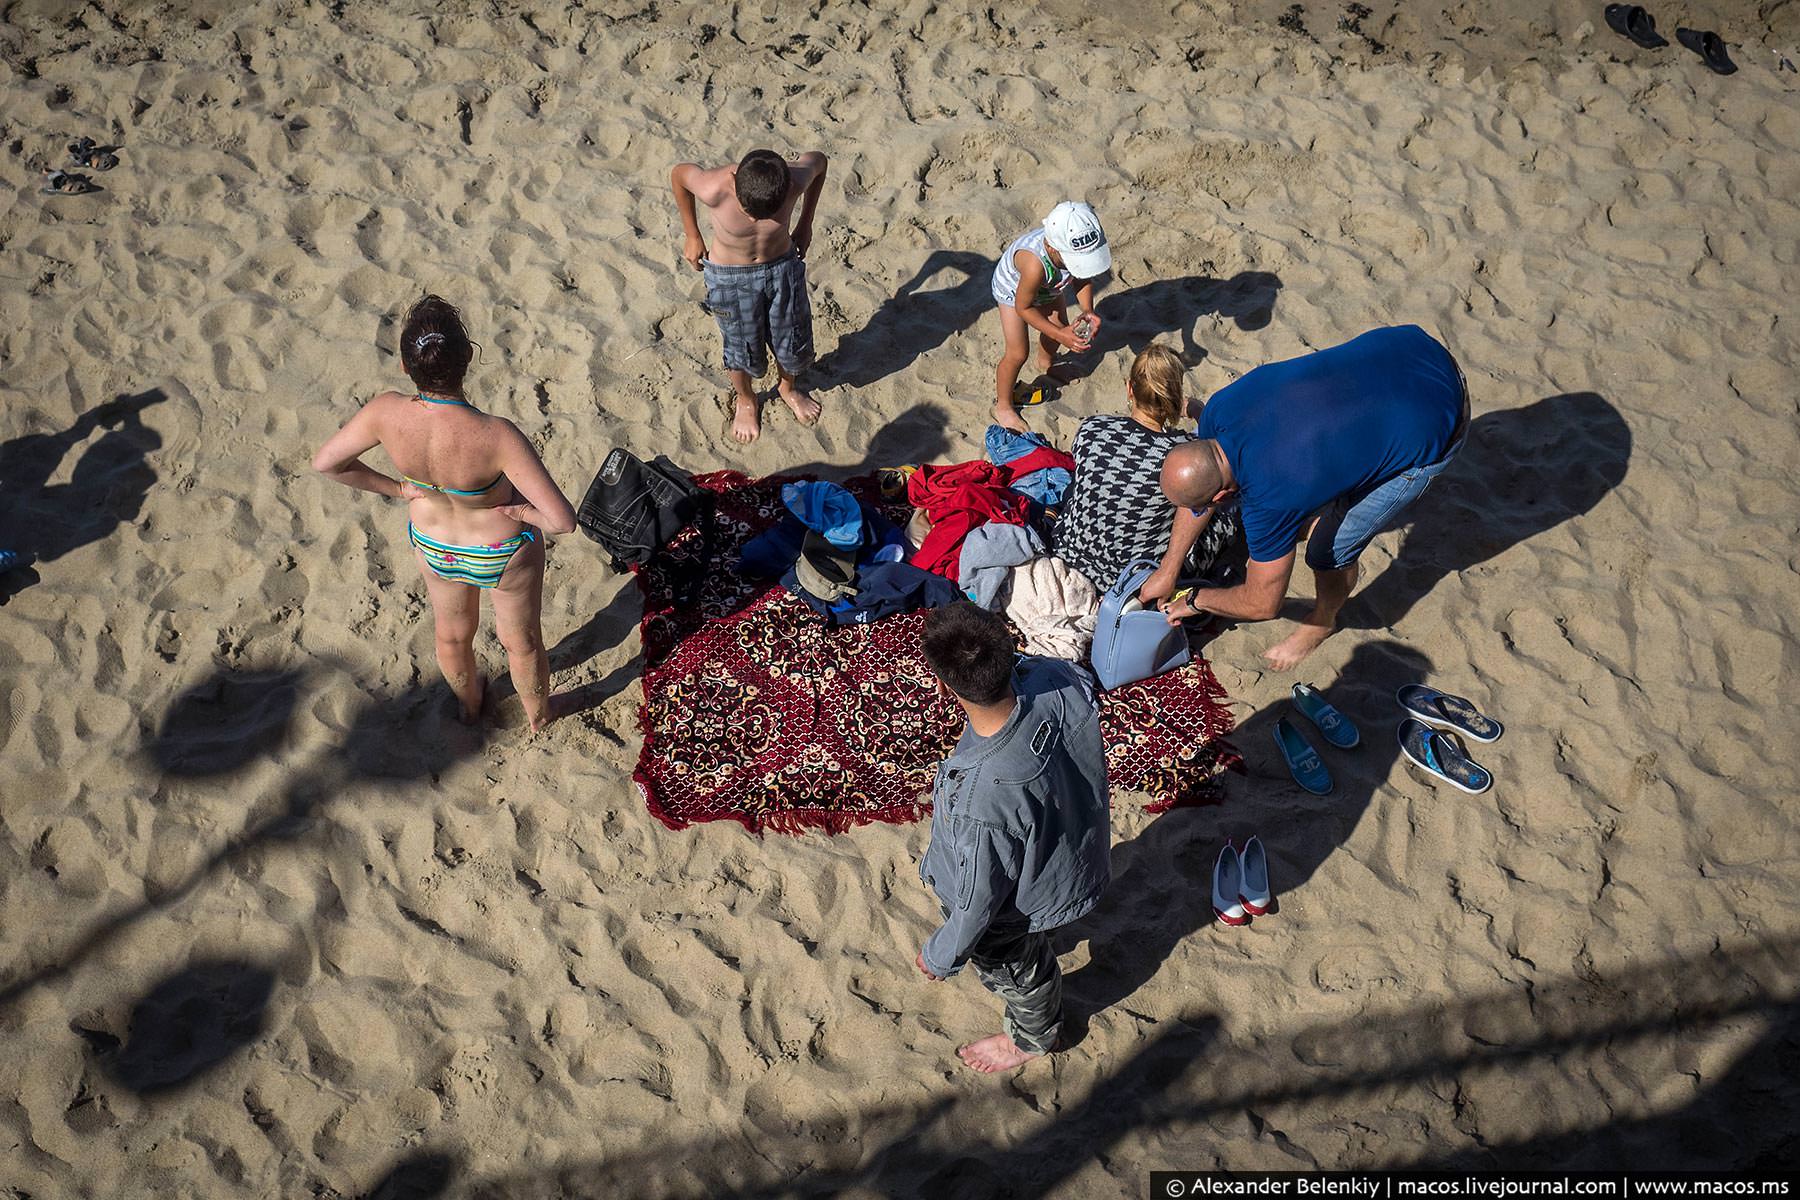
(273, 923)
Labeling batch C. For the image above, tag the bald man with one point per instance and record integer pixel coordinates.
(1332, 447)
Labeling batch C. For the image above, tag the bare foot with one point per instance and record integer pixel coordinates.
(554, 707)
(469, 714)
(991, 1054)
(1293, 649)
(1007, 416)
(746, 420)
(806, 409)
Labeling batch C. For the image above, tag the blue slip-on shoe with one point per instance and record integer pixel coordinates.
(10, 559)
(1333, 725)
(1444, 711)
(1441, 756)
(1308, 769)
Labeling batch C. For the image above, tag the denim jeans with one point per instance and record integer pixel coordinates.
(1348, 525)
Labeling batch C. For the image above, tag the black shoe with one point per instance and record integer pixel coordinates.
(1707, 45)
(1631, 21)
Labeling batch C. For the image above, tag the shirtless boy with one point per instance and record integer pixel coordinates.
(755, 270)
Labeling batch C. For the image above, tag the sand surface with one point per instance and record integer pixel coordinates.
(273, 924)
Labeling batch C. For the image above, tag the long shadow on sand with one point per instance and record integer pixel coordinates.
(1137, 316)
(912, 322)
(1191, 1086)
(204, 1011)
(1162, 879)
(921, 434)
(1522, 472)
(106, 486)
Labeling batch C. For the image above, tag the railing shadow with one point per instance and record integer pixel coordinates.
(1560, 1032)
(204, 1011)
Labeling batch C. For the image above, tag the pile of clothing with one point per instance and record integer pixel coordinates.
(847, 563)
(981, 519)
(975, 533)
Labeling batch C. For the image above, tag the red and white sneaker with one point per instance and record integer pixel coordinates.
(1227, 882)
(1253, 878)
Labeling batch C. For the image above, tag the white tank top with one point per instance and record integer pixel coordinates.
(1057, 281)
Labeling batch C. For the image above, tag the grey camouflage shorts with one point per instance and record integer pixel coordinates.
(762, 307)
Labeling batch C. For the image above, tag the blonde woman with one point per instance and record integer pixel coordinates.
(1116, 511)
(478, 499)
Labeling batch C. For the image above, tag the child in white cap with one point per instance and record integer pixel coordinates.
(1032, 282)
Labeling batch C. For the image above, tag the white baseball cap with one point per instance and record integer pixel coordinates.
(1074, 231)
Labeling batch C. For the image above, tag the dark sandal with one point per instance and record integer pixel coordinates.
(88, 154)
(67, 183)
(1631, 21)
(1711, 50)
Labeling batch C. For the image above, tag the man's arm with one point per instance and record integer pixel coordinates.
(683, 180)
(1189, 525)
(986, 882)
(1258, 598)
(813, 162)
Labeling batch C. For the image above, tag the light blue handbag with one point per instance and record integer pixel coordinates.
(1134, 645)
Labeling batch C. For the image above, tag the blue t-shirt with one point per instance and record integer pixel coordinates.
(1301, 433)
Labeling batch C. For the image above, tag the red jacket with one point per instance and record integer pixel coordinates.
(959, 498)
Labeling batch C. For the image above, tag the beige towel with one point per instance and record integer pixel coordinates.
(1054, 606)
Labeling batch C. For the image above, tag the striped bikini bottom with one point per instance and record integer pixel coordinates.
(481, 566)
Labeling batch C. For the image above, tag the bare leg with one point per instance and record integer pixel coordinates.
(518, 619)
(1012, 361)
(456, 610)
(1332, 588)
(1047, 346)
(746, 415)
(993, 1054)
(806, 409)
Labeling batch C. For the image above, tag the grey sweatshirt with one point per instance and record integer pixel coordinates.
(1021, 833)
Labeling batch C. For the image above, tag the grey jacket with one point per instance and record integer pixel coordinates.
(989, 554)
(1021, 833)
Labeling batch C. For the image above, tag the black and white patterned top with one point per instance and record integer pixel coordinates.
(1116, 511)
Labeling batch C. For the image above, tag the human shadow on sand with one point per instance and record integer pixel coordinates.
(1162, 879)
(1522, 472)
(1193, 1085)
(911, 322)
(920, 434)
(1135, 317)
(106, 487)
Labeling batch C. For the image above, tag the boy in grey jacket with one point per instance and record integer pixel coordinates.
(1020, 830)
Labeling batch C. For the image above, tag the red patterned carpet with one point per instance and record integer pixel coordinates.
(757, 710)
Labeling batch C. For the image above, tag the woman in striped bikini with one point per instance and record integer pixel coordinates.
(475, 526)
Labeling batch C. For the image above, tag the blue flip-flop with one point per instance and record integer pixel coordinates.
(1444, 711)
(1333, 725)
(1308, 769)
(1440, 755)
(10, 559)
